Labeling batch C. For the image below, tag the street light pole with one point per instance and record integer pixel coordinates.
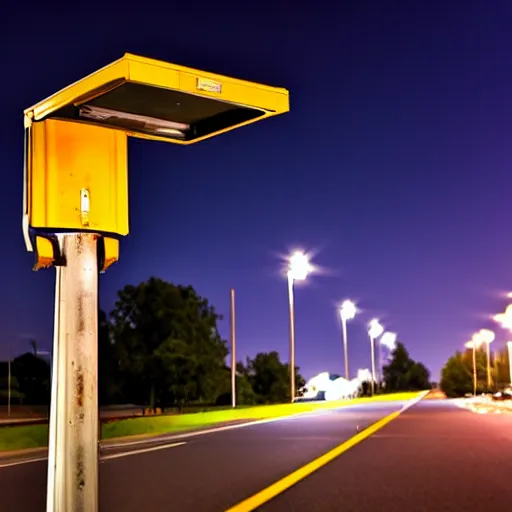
(345, 344)
(509, 346)
(505, 319)
(474, 369)
(298, 269)
(488, 337)
(233, 350)
(292, 335)
(348, 311)
(488, 354)
(472, 345)
(9, 385)
(73, 442)
(381, 364)
(482, 336)
(372, 344)
(374, 331)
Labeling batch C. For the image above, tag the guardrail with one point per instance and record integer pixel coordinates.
(22, 422)
(106, 417)
(109, 415)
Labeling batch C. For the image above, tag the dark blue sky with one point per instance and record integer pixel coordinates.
(393, 167)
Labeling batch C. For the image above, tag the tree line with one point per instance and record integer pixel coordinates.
(457, 373)
(160, 346)
(29, 382)
(403, 373)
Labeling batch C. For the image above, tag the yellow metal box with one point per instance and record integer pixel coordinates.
(76, 178)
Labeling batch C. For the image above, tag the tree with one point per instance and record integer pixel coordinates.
(419, 377)
(33, 376)
(168, 345)
(501, 370)
(270, 378)
(396, 372)
(244, 390)
(402, 373)
(456, 377)
(16, 395)
(244, 393)
(110, 378)
(365, 388)
(457, 373)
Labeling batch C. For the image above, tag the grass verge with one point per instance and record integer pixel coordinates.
(23, 437)
(34, 436)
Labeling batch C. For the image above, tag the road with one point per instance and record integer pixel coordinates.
(435, 456)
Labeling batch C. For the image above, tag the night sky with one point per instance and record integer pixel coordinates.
(392, 167)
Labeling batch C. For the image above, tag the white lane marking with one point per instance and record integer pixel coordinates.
(20, 462)
(176, 436)
(414, 401)
(143, 450)
(213, 430)
(156, 440)
(103, 458)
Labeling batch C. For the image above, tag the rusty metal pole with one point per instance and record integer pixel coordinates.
(73, 439)
(52, 430)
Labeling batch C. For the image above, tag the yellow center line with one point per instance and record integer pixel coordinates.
(258, 499)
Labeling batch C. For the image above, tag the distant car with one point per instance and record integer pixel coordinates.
(504, 394)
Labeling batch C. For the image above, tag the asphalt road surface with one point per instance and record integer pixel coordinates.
(433, 457)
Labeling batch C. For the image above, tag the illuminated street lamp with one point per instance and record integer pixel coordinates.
(348, 311)
(298, 269)
(389, 340)
(505, 319)
(375, 329)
